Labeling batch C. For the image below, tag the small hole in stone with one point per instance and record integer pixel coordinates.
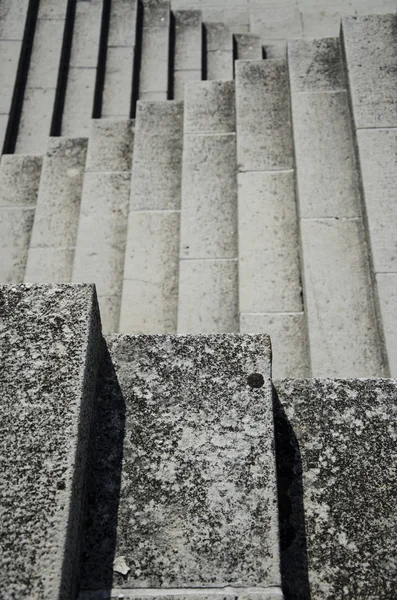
(255, 380)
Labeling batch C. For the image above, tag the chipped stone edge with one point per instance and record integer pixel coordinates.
(256, 593)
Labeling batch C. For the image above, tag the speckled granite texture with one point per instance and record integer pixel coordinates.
(185, 455)
(336, 444)
(49, 347)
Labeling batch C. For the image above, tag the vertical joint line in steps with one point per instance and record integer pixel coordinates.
(59, 104)
(137, 59)
(171, 57)
(235, 55)
(203, 52)
(21, 78)
(102, 56)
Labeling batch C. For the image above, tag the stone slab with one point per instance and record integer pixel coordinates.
(336, 451)
(156, 13)
(12, 19)
(264, 136)
(79, 102)
(370, 47)
(268, 243)
(228, 593)
(275, 49)
(15, 228)
(210, 107)
(19, 179)
(35, 123)
(157, 163)
(288, 334)
(343, 333)
(116, 98)
(281, 22)
(316, 65)
(49, 265)
(208, 296)
(209, 197)
(378, 162)
(153, 96)
(154, 60)
(188, 40)
(327, 177)
(387, 297)
(52, 9)
(181, 78)
(50, 344)
(150, 287)
(249, 46)
(196, 490)
(110, 145)
(9, 51)
(220, 65)
(46, 53)
(122, 25)
(218, 37)
(86, 34)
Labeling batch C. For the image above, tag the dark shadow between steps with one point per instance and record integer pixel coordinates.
(293, 544)
(105, 469)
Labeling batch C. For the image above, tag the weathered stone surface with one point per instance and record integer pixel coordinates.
(370, 47)
(52, 9)
(122, 26)
(210, 107)
(288, 334)
(12, 19)
(154, 61)
(35, 123)
(79, 102)
(48, 265)
(269, 273)
(316, 65)
(110, 145)
(150, 287)
(9, 51)
(196, 490)
(327, 177)
(343, 334)
(50, 343)
(208, 296)
(46, 53)
(220, 65)
(227, 593)
(116, 99)
(19, 179)
(264, 136)
(249, 46)
(86, 33)
(156, 13)
(15, 230)
(156, 170)
(387, 295)
(188, 40)
(378, 161)
(280, 22)
(181, 78)
(336, 454)
(209, 204)
(219, 37)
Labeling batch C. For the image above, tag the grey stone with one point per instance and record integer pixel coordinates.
(116, 98)
(209, 197)
(49, 265)
(109, 306)
(220, 65)
(3, 129)
(327, 177)
(110, 145)
(154, 96)
(343, 334)
(370, 48)
(210, 107)
(86, 33)
(264, 136)
(387, 295)
(9, 52)
(196, 490)
(156, 169)
(52, 9)
(378, 162)
(15, 228)
(150, 288)
(236, 18)
(181, 78)
(288, 334)
(46, 53)
(154, 61)
(208, 296)
(35, 123)
(79, 102)
(275, 49)
(156, 13)
(268, 243)
(12, 19)
(219, 37)
(323, 21)
(122, 26)
(336, 452)
(281, 22)
(249, 46)
(19, 179)
(50, 344)
(227, 593)
(188, 40)
(316, 65)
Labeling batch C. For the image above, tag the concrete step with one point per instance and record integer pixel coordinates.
(19, 184)
(102, 230)
(53, 240)
(50, 344)
(150, 286)
(183, 471)
(153, 79)
(219, 51)
(248, 46)
(188, 55)
(208, 269)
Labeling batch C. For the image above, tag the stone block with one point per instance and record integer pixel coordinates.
(153, 96)
(19, 179)
(154, 60)
(268, 243)
(264, 136)
(122, 26)
(288, 334)
(156, 13)
(157, 164)
(336, 451)
(116, 98)
(210, 107)
(219, 37)
(276, 23)
(316, 65)
(208, 296)
(249, 46)
(110, 145)
(86, 33)
(370, 48)
(79, 102)
(52, 9)
(343, 333)
(35, 123)
(235, 18)
(15, 228)
(209, 197)
(220, 65)
(188, 40)
(46, 53)
(322, 21)
(327, 177)
(150, 301)
(9, 51)
(49, 265)
(387, 296)
(109, 306)
(275, 49)
(181, 78)
(12, 19)
(378, 162)
(197, 503)
(50, 342)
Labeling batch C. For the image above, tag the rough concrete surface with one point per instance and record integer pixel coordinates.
(210, 107)
(316, 65)
(110, 145)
